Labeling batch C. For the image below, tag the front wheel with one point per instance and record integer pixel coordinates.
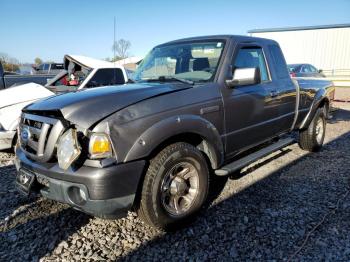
(175, 187)
(311, 139)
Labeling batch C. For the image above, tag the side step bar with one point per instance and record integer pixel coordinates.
(240, 163)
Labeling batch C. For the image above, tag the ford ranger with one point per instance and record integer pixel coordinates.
(196, 106)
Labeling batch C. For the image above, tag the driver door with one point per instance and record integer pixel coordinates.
(250, 111)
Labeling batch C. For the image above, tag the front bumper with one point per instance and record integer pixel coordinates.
(6, 139)
(103, 192)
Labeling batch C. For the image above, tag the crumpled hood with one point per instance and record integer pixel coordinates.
(86, 107)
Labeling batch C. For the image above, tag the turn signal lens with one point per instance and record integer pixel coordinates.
(100, 146)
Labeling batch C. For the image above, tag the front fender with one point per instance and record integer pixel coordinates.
(172, 126)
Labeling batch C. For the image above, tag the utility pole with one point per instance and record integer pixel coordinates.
(114, 41)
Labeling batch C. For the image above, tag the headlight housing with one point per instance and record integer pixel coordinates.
(100, 146)
(68, 149)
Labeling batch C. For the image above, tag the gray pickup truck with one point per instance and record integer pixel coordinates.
(48, 68)
(196, 107)
(8, 79)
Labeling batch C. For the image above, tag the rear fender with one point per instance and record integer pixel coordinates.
(173, 126)
(320, 96)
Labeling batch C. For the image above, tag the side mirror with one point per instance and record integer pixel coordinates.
(320, 70)
(244, 76)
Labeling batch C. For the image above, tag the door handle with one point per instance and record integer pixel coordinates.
(274, 93)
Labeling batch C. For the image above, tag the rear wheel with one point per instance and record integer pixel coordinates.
(175, 187)
(311, 139)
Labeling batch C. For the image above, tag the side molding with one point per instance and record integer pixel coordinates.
(170, 127)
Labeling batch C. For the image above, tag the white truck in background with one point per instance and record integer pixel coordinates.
(79, 73)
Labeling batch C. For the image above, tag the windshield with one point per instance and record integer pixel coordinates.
(74, 76)
(196, 62)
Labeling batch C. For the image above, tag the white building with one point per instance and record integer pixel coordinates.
(327, 47)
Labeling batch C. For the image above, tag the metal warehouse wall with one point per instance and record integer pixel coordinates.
(327, 49)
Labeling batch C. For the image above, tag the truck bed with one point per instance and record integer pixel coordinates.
(11, 80)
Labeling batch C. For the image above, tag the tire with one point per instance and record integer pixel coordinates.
(311, 139)
(14, 142)
(175, 187)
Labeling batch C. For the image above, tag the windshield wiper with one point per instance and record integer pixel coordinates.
(171, 78)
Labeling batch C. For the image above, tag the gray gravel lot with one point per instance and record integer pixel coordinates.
(265, 215)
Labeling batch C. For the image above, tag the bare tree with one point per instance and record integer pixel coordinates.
(121, 48)
(4, 58)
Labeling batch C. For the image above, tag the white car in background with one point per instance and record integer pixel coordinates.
(79, 73)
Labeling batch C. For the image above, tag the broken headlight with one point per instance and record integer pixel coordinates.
(68, 149)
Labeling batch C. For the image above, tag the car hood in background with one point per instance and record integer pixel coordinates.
(23, 93)
(87, 107)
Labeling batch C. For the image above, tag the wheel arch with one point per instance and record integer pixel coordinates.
(320, 100)
(191, 129)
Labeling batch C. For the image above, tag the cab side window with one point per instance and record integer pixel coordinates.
(106, 77)
(249, 57)
(305, 69)
(313, 69)
(57, 66)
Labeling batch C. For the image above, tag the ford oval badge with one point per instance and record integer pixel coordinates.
(25, 135)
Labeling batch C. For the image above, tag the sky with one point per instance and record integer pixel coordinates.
(51, 29)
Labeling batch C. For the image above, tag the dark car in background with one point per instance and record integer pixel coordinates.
(304, 70)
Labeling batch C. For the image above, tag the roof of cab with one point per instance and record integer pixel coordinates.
(239, 38)
(89, 62)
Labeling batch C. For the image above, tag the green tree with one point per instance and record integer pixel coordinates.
(9, 67)
(38, 61)
(9, 63)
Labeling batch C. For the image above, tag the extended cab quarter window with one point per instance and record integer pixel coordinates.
(279, 62)
(249, 57)
(106, 77)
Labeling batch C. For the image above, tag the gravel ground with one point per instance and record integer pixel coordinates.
(266, 215)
